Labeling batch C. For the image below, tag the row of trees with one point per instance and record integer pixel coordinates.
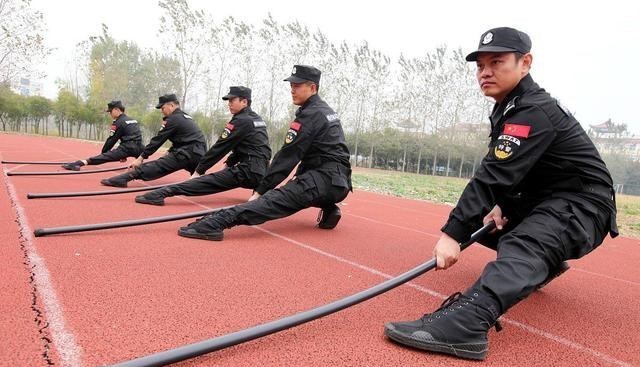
(418, 114)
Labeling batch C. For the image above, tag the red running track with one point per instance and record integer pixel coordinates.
(107, 296)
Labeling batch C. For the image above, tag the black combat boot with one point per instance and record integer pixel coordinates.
(155, 197)
(329, 217)
(73, 166)
(205, 228)
(459, 327)
(120, 180)
(554, 273)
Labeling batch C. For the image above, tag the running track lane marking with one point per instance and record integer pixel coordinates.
(488, 249)
(63, 339)
(561, 340)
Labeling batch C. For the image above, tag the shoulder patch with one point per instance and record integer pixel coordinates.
(517, 130)
(131, 122)
(228, 129)
(187, 116)
(332, 117)
(113, 129)
(505, 147)
(295, 126)
(293, 132)
(259, 124)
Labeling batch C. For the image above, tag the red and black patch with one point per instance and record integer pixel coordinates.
(294, 128)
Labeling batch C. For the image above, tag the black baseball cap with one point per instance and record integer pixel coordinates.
(166, 98)
(503, 39)
(238, 91)
(304, 73)
(114, 104)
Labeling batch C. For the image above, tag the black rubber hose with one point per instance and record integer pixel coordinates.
(60, 173)
(42, 195)
(35, 162)
(238, 337)
(40, 232)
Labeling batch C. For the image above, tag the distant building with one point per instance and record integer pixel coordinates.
(610, 137)
(26, 87)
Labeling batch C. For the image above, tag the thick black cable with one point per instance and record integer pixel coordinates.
(238, 337)
(40, 232)
(60, 173)
(33, 162)
(42, 195)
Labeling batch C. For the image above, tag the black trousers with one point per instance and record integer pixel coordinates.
(311, 189)
(129, 149)
(240, 175)
(167, 164)
(557, 229)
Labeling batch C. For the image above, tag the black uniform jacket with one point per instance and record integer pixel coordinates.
(246, 135)
(182, 131)
(315, 139)
(124, 129)
(537, 149)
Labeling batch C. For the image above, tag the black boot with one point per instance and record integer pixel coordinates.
(554, 273)
(459, 327)
(329, 217)
(73, 166)
(119, 181)
(155, 197)
(205, 228)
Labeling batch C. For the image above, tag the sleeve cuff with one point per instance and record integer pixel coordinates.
(456, 229)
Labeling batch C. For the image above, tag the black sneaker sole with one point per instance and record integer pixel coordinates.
(143, 200)
(201, 236)
(113, 184)
(72, 168)
(475, 351)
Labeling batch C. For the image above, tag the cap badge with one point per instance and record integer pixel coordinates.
(293, 71)
(487, 38)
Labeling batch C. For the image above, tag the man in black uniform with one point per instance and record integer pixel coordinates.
(124, 129)
(246, 135)
(544, 185)
(188, 146)
(315, 140)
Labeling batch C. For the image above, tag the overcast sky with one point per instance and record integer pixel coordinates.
(585, 54)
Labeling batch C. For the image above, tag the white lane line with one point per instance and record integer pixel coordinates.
(561, 340)
(393, 225)
(604, 276)
(63, 339)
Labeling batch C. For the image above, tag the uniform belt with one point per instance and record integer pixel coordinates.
(599, 189)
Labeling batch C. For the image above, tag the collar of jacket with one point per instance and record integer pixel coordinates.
(310, 100)
(524, 84)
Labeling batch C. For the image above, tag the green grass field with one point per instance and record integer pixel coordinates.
(447, 190)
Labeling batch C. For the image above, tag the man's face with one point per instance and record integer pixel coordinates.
(300, 92)
(499, 73)
(114, 113)
(167, 108)
(237, 104)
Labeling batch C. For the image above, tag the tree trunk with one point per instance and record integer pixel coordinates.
(419, 159)
(404, 158)
(448, 163)
(473, 169)
(371, 156)
(435, 162)
(461, 164)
